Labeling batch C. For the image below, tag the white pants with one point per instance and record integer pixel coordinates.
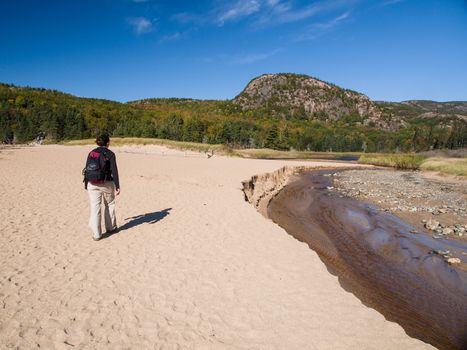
(97, 194)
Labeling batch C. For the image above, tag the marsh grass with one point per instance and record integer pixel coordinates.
(398, 161)
(452, 166)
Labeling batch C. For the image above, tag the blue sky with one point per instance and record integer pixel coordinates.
(210, 49)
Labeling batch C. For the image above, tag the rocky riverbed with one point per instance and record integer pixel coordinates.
(437, 207)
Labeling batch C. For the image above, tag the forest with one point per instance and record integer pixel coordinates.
(27, 112)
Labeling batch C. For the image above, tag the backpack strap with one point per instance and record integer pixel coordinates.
(105, 158)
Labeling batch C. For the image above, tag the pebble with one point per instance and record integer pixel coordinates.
(452, 261)
(448, 231)
(432, 225)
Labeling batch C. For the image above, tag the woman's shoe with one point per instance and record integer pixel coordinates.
(115, 230)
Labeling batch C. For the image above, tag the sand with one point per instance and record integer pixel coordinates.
(196, 266)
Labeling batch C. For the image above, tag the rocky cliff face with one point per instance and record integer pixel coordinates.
(301, 96)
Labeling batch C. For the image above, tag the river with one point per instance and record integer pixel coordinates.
(376, 258)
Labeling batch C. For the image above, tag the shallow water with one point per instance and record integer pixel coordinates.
(376, 257)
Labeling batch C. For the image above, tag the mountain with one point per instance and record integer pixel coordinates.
(305, 97)
(442, 114)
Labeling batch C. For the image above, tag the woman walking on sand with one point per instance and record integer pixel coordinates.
(101, 181)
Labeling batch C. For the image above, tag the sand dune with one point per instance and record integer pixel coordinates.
(194, 267)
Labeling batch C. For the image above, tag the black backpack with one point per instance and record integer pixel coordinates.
(96, 166)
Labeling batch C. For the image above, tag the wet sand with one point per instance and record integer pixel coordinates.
(376, 257)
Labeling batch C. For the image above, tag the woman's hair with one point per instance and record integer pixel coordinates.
(103, 140)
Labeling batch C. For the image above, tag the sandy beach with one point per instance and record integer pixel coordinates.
(194, 266)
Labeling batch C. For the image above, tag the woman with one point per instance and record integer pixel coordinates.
(101, 181)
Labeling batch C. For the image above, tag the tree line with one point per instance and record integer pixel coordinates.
(27, 112)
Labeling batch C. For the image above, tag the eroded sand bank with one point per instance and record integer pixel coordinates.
(195, 266)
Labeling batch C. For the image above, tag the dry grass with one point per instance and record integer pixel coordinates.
(181, 145)
(263, 153)
(452, 166)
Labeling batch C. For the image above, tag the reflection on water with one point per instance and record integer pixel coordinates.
(357, 218)
(377, 258)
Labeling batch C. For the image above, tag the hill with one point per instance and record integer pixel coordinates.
(283, 112)
(304, 97)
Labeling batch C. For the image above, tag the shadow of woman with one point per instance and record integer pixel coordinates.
(148, 218)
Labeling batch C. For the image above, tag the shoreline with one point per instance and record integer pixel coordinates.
(282, 208)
